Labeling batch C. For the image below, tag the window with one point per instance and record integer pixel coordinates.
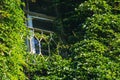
(40, 14)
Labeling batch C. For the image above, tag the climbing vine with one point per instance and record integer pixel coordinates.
(12, 37)
(91, 37)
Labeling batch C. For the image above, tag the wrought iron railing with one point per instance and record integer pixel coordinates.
(40, 41)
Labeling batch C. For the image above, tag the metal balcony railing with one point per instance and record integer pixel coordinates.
(40, 41)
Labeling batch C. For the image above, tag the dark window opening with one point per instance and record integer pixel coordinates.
(42, 6)
(42, 24)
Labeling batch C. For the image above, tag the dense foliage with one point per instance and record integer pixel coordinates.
(90, 34)
(12, 32)
(47, 68)
(90, 31)
(95, 55)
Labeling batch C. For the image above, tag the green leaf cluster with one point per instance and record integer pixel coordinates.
(92, 34)
(47, 68)
(12, 37)
(96, 55)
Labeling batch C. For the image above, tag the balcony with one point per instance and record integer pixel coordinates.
(40, 41)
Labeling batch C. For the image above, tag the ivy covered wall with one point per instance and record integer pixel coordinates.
(12, 37)
(91, 37)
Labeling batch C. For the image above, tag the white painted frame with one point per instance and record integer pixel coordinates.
(30, 25)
